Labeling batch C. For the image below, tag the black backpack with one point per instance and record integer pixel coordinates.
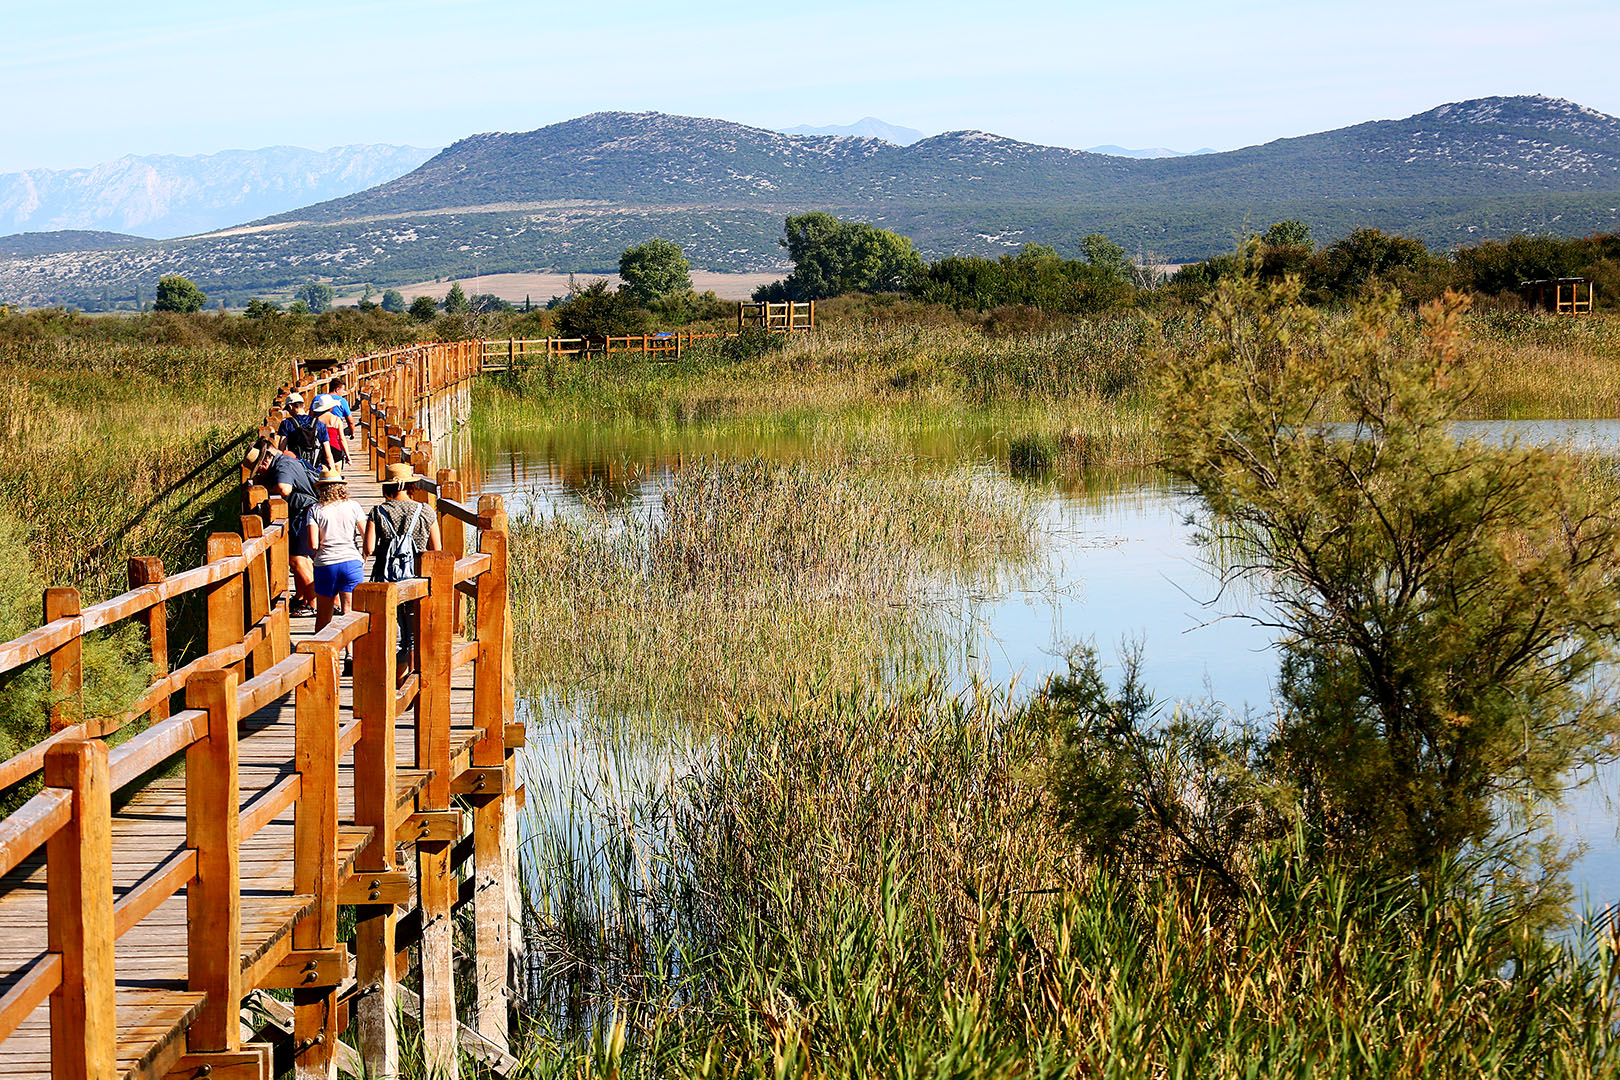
(304, 440)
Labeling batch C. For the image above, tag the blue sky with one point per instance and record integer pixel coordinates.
(85, 82)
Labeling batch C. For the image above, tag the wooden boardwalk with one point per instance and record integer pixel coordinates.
(148, 907)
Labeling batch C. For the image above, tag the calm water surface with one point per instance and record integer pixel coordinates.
(1116, 564)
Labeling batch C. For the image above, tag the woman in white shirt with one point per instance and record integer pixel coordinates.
(336, 526)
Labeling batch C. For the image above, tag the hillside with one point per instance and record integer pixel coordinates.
(173, 195)
(572, 195)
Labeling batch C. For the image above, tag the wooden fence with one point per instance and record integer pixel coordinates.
(312, 781)
(512, 353)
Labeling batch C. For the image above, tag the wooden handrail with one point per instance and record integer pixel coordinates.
(27, 828)
(154, 746)
(43, 977)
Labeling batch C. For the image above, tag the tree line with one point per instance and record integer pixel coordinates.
(832, 257)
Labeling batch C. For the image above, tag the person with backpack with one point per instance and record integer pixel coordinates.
(324, 407)
(283, 474)
(304, 435)
(397, 530)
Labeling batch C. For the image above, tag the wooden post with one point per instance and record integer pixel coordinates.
(224, 598)
(213, 898)
(436, 881)
(315, 858)
(146, 570)
(492, 865)
(374, 805)
(257, 574)
(67, 661)
(79, 916)
(275, 513)
(453, 532)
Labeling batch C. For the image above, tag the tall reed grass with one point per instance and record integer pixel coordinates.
(745, 578)
(871, 883)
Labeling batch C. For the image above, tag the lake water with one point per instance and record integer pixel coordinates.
(1115, 563)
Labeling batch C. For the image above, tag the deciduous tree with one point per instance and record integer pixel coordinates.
(176, 293)
(655, 269)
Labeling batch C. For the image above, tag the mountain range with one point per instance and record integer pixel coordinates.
(171, 195)
(868, 127)
(571, 196)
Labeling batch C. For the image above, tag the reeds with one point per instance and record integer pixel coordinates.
(748, 577)
(870, 883)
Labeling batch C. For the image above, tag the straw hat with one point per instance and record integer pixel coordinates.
(401, 473)
(331, 476)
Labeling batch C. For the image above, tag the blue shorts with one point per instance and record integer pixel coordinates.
(335, 578)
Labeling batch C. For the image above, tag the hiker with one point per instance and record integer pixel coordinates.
(397, 530)
(340, 406)
(304, 435)
(324, 408)
(333, 536)
(283, 473)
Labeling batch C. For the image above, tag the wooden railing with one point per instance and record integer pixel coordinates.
(250, 662)
(511, 353)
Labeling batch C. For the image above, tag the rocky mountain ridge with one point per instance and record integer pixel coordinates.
(572, 195)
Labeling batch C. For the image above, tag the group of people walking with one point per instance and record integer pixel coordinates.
(331, 535)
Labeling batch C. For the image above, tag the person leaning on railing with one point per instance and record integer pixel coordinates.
(396, 529)
(283, 474)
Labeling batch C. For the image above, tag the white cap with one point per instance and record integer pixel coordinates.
(295, 398)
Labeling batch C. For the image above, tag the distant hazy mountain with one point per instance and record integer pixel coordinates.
(1148, 152)
(168, 195)
(573, 195)
(867, 128)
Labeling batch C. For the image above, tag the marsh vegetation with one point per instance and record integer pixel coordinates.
(776, 832)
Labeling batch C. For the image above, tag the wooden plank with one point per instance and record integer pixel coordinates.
(84, 1020)
(213, 900)
(163, 883)
(435, 880)
(67, 659)
(490, 917)
(375, 807)
(224, 598)
(32, 824)
(148, 571)
(308, 968)
(31, 988)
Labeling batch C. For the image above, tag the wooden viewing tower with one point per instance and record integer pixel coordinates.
(160, 921)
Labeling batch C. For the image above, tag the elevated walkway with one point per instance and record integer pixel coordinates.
(153, 889)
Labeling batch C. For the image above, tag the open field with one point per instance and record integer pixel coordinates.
(540, 287)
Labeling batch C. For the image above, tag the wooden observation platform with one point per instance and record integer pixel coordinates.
(171, 904)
